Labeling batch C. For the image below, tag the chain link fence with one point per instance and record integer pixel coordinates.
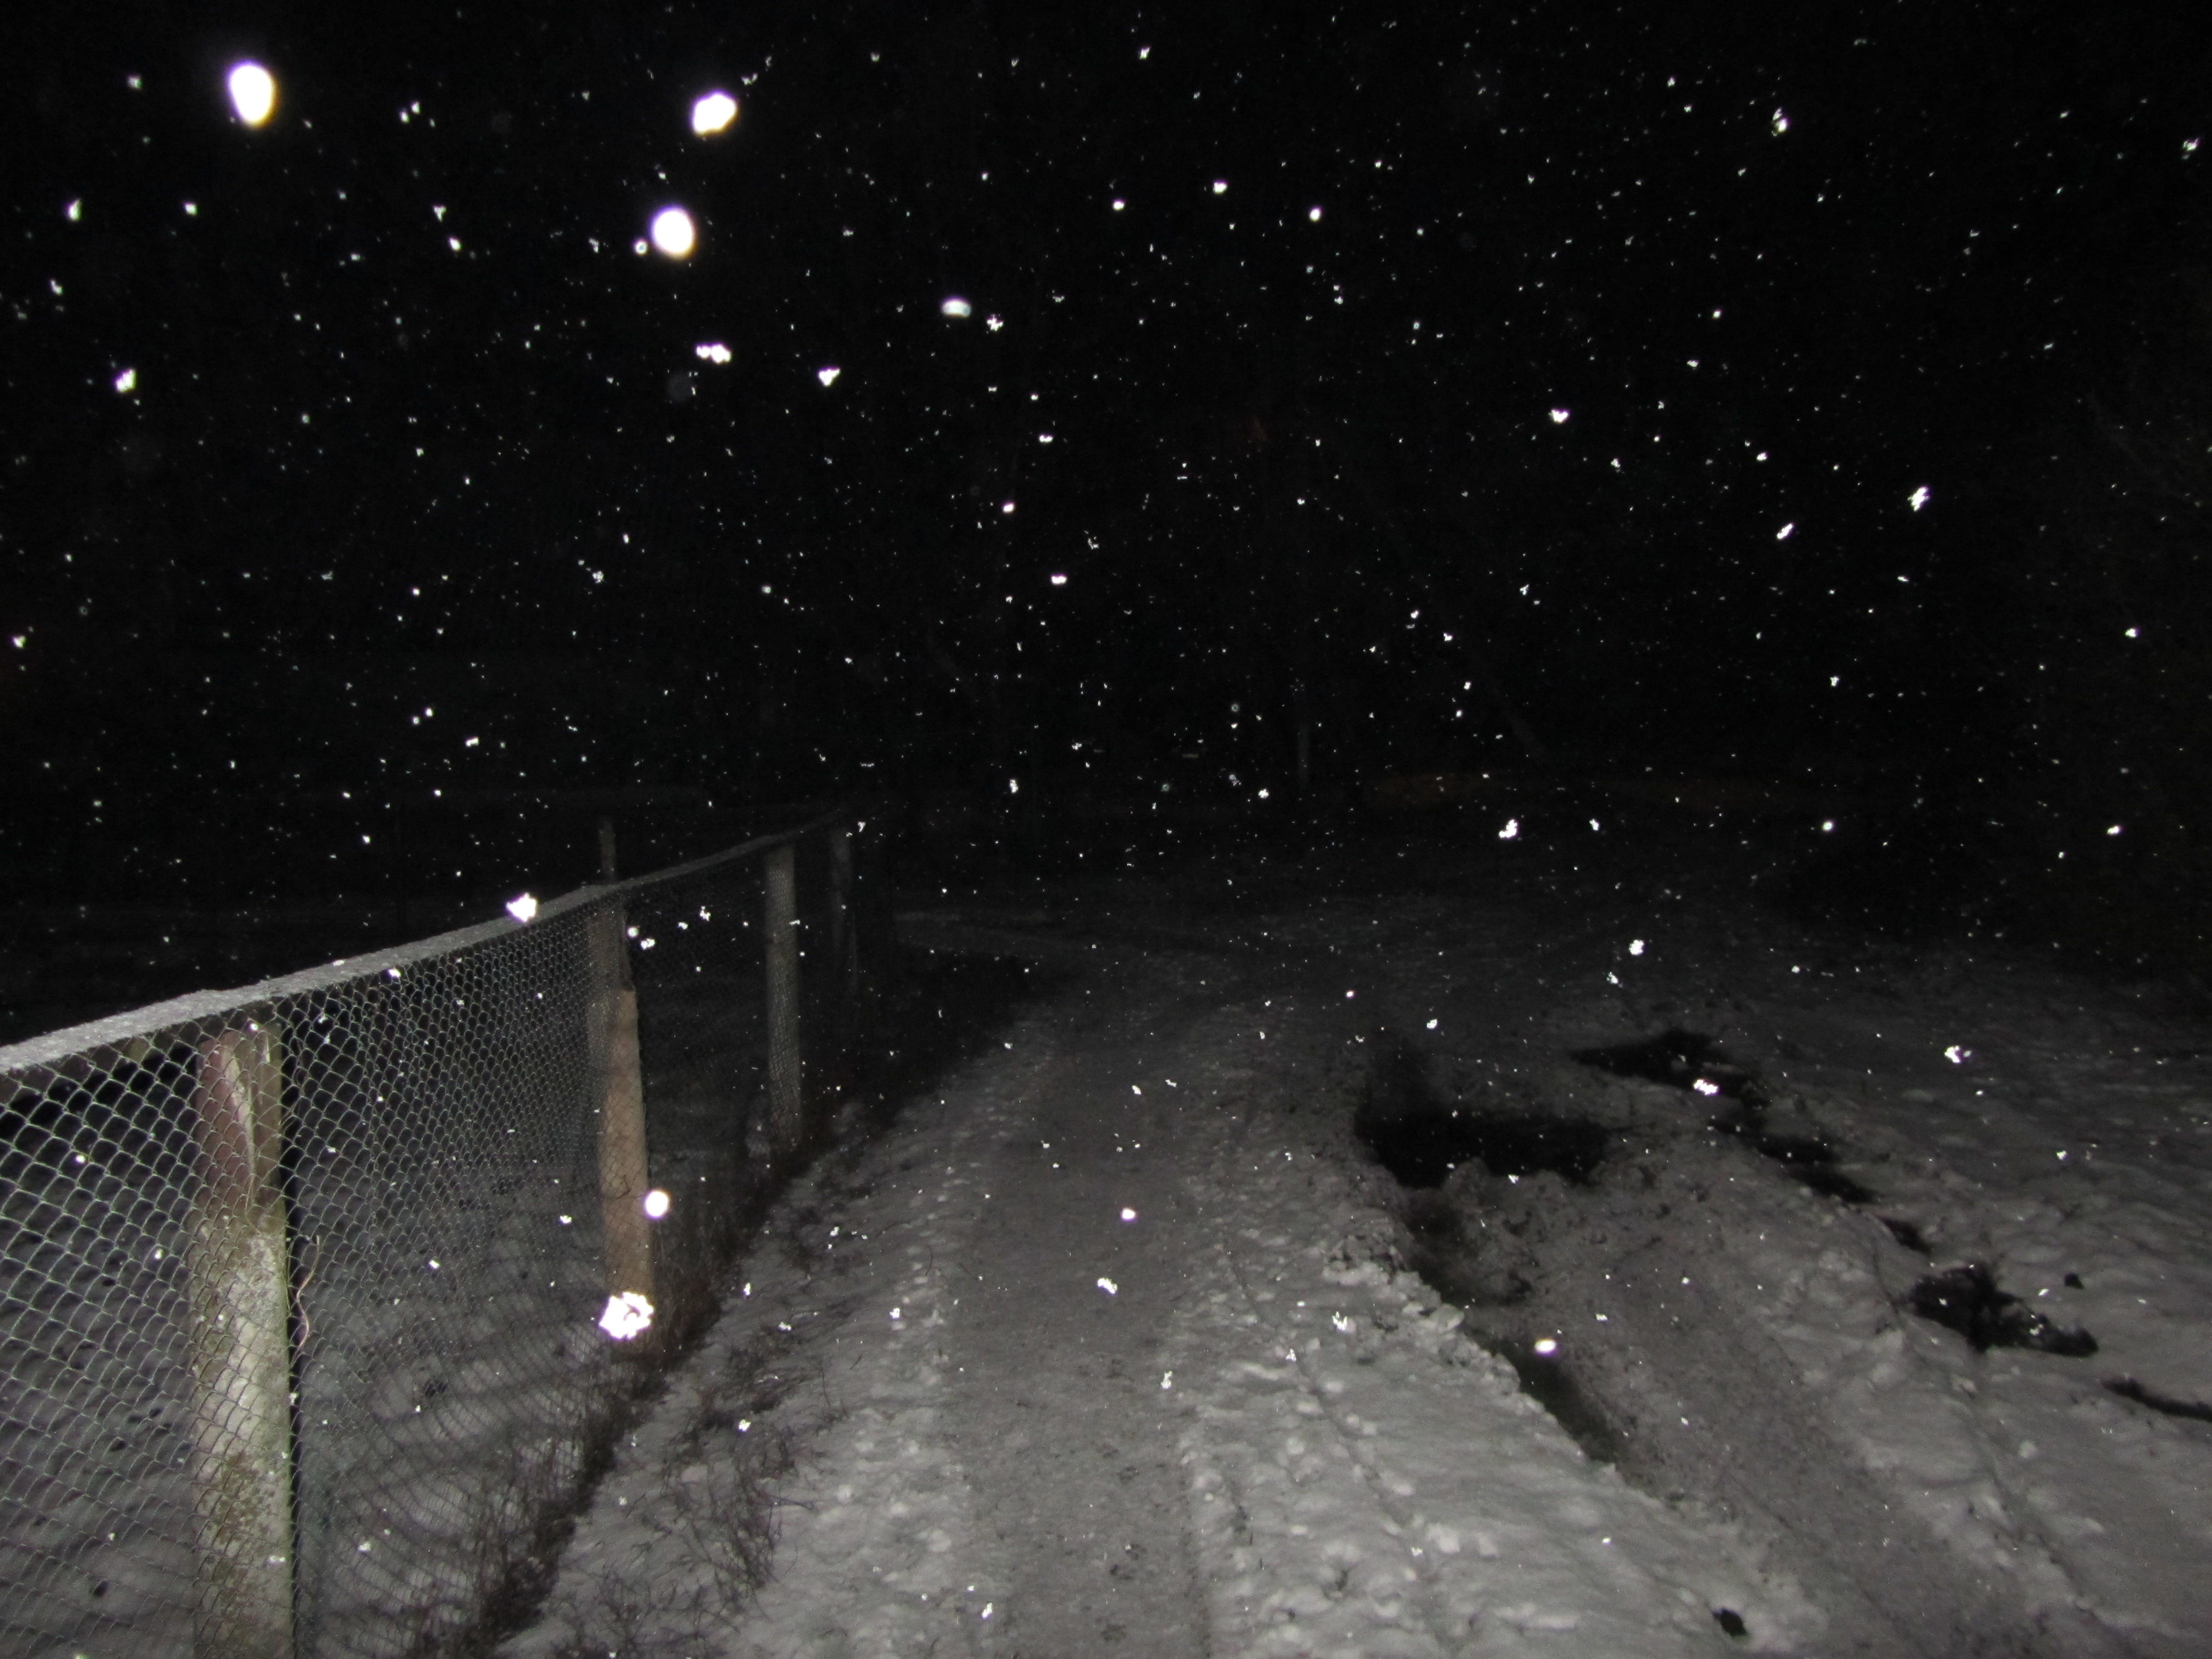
(322, 1301)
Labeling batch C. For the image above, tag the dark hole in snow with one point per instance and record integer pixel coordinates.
(1546, 1380)
(1442, 1255)
(1421, 1139)
(1911, 1236)
(1421, 1152)
(1681, 1058)
(2127, 1389)
(1810, 1162)
(1967, 1300)
(1730, 1621)
(1797, 1149)
(1687, 1060)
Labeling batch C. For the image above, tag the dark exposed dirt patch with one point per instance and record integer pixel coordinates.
(1548, 1380)
(1423, 1150)
(1684, 1060)
(1966, 1299)
(1809, 1160)
(1907, 1234)
(1445, 1256)
(2127, 1388)
(1421, 1137)
(1691, 1060)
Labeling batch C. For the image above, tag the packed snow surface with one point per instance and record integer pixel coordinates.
(1114, 1340)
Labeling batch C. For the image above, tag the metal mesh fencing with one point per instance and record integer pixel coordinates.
(321, 1302)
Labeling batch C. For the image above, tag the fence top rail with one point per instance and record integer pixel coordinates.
(38, 1052)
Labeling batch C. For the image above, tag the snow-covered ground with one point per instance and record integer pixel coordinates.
(1114, 1341)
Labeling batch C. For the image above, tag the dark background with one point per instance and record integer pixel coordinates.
(425, 534)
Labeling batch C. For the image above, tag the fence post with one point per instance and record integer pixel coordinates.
(626, 1233)
(786, 1112)
(240, 1267)
(844, 947)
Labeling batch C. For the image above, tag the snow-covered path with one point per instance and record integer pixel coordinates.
(1099, 1364)
(1109, 1345)
(1079, 1261)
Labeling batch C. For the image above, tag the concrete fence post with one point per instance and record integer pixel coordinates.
(786, 1109)
(240, 1268)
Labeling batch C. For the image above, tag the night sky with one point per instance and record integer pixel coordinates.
(1801, 391)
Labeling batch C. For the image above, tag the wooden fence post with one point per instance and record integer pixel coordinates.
(626, 1232)
(844, 944)
(240, 1265)
(787, 1110)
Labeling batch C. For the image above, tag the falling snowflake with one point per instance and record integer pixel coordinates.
(627, 1315)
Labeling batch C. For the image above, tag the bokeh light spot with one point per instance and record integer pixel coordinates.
(252, 93)
(674, 234)
(714, 113)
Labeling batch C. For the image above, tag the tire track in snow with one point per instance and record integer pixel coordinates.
(879, 1551)
(1359, 1580)
(1079, 1255)
(1365, 1481)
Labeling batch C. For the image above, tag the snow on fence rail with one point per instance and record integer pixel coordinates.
(321, 1300)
